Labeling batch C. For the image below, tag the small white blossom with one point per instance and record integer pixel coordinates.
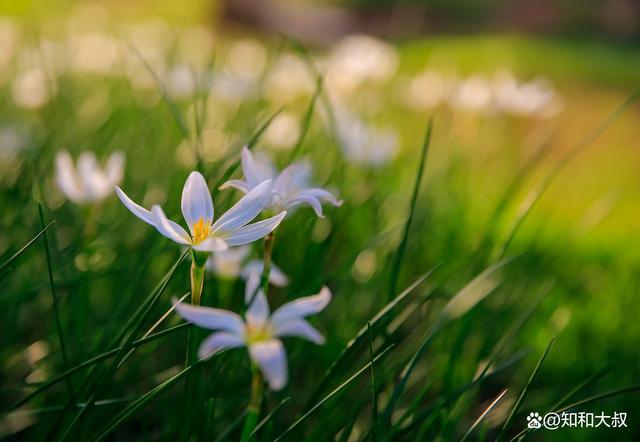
(232, 263)
(231, 229)
(290, 187)
(88, 183)
(363, 143)
(259, 332)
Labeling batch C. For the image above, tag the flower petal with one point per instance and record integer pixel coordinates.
(168, 228)
(196, 201)
(252, 232)
(276, 275)
(255, 172)
(251, 287)
(211, 318)
(299, 328)
(272, 360)
(66, 177)
(244, 210)
(115, 168)
(212, 245)
(258, 312)
(136, 209)
(217, 342)
(299, 200)
(302, 307)
(237, 184)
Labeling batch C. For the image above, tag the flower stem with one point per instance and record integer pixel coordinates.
(253, 411)
(269, 241)
(197, 283)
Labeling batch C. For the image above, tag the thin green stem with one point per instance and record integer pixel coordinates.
(253, 411)
(269, 241)
(63, 347)
(197, 284)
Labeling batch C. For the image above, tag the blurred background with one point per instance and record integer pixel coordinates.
(518, 166)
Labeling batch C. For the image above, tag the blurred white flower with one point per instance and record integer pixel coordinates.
(290, 187)
(12, 141)
(231, 229)
(231, 88)
(180, 81)
(363, 143)
(246, 58)
(427, 90)
(31, 89)
(288, 79)
(536, 98)
(358, 59)
(283, 132)
(232, 263)
(259, 332)
(94, 53)
(88, 183)
(472, 95)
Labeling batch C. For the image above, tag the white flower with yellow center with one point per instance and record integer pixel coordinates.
(231, 229)
(260, 331)
(290, 187)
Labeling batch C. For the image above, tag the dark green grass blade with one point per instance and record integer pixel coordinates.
(56, 308)
(306, 122)
(399, 255)
(132, 328)
(330, 395)
(250, 144)
(91, 362)
(374, 396)
(575, 390)
(356, 343)
(121, 417)
(588, 400)
(24, 248)
(268, 417)
(533, 197)
(443, 401)
(518, 403)
(468, 297)
(482, 416)
(173, 107)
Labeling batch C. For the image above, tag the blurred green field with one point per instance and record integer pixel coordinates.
(571, 268)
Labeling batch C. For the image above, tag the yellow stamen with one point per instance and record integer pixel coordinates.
(200, 231)
(257, 334)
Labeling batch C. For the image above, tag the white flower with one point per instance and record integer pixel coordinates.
(230, 264)
(231, 229)
(363, 143)
(290, 187)
(89, 182)
(260, 331)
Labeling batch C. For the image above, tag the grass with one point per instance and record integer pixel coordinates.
(441, 307)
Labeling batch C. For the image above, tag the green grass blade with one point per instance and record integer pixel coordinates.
(399, 255)
(468, 297)
(144, 399)
(250, 144)
(534, 196)
(482, 416)
(91, 362)
(518, 403)
(56, 311)
(268, 417)
(356, 343)
(132, 328)
(330, 395)
(24, 248)
(374, 396)
(306, 122)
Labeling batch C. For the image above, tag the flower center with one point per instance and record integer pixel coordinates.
(255, 334)
(200, 231)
